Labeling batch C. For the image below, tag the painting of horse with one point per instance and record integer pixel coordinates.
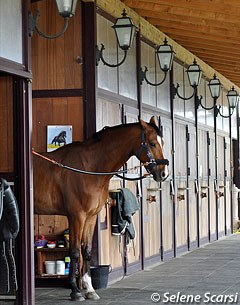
(80, 197)
(60, 138)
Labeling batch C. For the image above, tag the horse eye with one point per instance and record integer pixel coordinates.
(152, 144)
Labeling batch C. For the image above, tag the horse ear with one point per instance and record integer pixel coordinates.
(152, 120)
(143, 123)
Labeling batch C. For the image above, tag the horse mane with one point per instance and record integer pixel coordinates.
(158, 130)
(97, 136)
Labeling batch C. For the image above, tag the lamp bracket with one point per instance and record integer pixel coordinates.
(33, 26)
(175, 92)
(217, 111)
(199, 103)
(143, 76)
(32, 22)
(99, 56)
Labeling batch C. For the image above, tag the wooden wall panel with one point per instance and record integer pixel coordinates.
(49, 225)
(54, 60)
(54, 111)
(6, 124)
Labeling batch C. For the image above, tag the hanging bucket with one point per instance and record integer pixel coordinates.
(99, 275)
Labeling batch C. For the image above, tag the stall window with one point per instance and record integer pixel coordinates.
(189, 104)
(11, 37)
(128, 75)
(148, 59)
(209, 113)
(219, 118)
(225, 111)
(163, 93)
(107, 77)
(121, 80)
(234, 124)
(201, 111)
(178, 77)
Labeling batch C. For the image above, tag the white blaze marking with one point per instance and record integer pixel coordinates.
(88, 283)
(160, 141)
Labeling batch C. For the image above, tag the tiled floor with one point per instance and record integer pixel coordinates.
(213, 270)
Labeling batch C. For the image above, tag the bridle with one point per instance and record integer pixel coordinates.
(152, 162)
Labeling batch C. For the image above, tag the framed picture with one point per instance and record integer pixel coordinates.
(58, 135)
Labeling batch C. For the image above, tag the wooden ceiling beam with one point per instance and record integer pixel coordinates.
(187, 10)
(232, 64)
(196, 5)
(226, 68)
(207, 44)
(191, 34)
(213, 53)
(189, 19)
(223, 34)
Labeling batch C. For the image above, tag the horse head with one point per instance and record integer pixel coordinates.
(151, 150)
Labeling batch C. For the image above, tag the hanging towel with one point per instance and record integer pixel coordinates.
(121, 214)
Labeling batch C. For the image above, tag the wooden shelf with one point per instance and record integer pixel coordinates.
(50, 276)
(52, 250)
(44, 254)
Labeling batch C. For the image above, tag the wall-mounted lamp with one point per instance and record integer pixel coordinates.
(125, 31)
(214, 87)
(66, 9)
(233, 98)
(194, 73)
(165, 55)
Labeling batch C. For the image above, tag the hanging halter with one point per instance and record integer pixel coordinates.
(153, 162)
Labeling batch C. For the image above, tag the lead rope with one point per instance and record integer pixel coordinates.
(124, 171)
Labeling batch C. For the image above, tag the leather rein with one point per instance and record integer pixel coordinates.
(150, 164)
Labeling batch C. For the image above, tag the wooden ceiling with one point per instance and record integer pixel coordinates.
(210, 29)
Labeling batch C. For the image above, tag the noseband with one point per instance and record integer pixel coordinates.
(153, 162)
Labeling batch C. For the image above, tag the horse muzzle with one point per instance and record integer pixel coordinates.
(158, 173)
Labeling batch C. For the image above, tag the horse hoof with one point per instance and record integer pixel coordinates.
(77, 296)
(92, 296)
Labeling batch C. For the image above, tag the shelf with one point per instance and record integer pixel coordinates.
(51, 276)
(44, 254)
(52, 250)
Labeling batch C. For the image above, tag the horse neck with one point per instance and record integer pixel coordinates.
(118, 146)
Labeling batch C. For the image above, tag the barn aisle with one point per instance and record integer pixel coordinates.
(208, 275)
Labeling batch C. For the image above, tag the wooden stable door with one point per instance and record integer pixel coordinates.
(192, 189)
(181, 213)
(228, 185)
(211, 186)
(6, 126)
(167, 211)
(203, 186)
(151, 209)
(133, 251)
(111, 248)
(220, 186)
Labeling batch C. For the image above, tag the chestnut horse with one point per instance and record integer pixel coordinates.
(80, 197)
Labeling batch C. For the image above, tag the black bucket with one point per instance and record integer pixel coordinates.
(99, 275)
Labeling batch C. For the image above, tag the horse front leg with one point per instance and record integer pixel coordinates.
(76, 225)
(86, 255)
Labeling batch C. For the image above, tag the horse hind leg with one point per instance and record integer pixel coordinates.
(76, 230)
(86, 255)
